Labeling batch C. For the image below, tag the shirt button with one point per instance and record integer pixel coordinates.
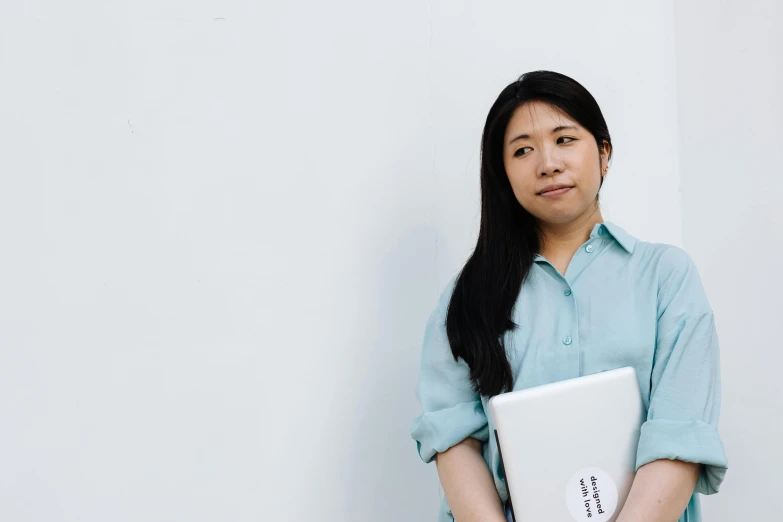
(567, 341)
(567, 293)
(589, 248)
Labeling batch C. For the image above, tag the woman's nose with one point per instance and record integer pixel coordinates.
(552, 162)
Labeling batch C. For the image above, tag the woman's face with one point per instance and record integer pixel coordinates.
(553, 163)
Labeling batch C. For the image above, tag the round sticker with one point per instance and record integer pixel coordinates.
(591, 495)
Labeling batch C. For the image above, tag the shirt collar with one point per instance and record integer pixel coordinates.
(623, 238)
(626, 240)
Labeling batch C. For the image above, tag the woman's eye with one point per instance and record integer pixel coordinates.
(521, 152)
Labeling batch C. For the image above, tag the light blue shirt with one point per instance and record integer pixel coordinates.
(622, 302)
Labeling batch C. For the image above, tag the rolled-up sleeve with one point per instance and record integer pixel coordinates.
(682, 419)
(452, 409)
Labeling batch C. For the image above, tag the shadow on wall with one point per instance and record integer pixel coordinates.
(381, 469)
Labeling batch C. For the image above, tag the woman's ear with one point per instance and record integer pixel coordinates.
(605, 151)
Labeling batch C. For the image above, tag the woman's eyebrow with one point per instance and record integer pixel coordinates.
(555, 130)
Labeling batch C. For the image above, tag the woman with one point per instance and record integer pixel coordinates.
(552, 292)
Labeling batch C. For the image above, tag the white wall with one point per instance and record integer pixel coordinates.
(729, 82)
(225, 223)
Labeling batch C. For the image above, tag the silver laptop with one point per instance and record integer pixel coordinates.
(569, 448)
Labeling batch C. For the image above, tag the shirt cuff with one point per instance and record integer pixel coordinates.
(437, 431)
(688, 441)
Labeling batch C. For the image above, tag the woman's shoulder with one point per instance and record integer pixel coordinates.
(665, 261)
(677, 280)
(669, 254)
(648, 254)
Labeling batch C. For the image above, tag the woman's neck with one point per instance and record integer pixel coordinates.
(559, 242)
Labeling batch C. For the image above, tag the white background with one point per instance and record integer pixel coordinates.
(224, 224)
(731, 152)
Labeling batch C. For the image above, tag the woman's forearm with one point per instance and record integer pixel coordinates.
(660, 491)
(468, 485)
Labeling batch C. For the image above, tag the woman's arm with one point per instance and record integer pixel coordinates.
(453, 426)
(468, 484)
(679, 449)
(660, 492)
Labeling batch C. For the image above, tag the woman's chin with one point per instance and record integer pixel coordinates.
(560, 217)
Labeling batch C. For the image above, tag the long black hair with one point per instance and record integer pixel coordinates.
(486, 289)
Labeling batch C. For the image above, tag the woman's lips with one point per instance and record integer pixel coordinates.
(555, 193)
